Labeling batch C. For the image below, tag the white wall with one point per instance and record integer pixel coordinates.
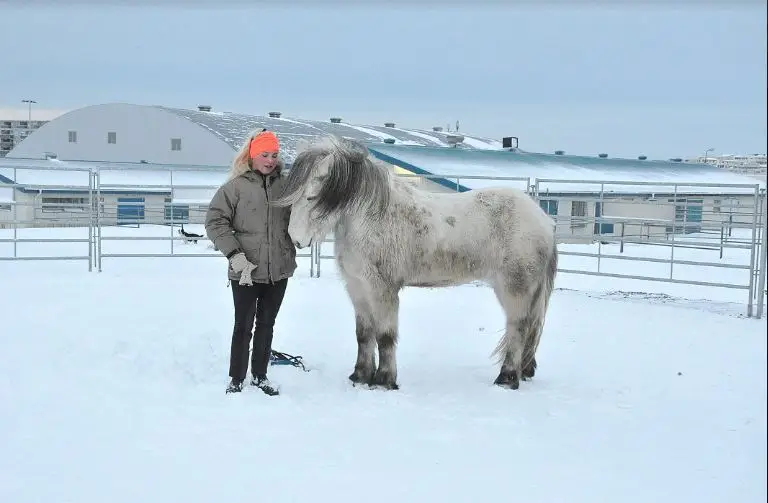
(142, 133)
(23, 205)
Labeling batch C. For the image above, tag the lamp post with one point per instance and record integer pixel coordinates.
(707, 152)
(29, 103)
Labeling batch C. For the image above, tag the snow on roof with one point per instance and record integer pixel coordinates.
(574, 170)
(233, 128)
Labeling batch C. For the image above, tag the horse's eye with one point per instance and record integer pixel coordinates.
(311, 198)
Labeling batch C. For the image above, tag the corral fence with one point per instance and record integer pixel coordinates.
(707, 235)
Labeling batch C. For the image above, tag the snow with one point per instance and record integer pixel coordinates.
(371, 132)
(424, 136)
(475, 143)
(113, 384)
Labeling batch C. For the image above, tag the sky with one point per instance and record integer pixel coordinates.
(661, 79)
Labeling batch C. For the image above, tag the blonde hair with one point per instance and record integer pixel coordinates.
(242, 162)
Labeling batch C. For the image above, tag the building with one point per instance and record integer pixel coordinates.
(592, 197)
(12, 132)
(161, 165)
(162, 135)
(55, 193)
(753, 165)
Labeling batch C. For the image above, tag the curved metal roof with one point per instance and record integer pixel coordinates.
(233, 128)
(455, 168)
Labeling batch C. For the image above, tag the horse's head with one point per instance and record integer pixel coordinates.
(330, 179)
(306, 225)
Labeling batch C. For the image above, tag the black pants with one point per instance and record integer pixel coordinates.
(261, 301)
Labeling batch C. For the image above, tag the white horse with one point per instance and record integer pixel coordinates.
(389, 235)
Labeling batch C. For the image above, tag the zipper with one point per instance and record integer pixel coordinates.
(269, 230)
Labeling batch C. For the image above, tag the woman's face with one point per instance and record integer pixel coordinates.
(265, 162)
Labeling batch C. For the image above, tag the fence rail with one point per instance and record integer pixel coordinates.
(650, 224)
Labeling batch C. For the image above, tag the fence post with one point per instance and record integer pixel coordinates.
(14, 189)
(98, 218)
(752, 252)
(762, 265)
(91, 241)
(312, 260)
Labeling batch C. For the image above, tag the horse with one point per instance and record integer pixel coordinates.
(390, 235)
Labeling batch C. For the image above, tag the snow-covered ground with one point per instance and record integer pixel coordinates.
(112, 388)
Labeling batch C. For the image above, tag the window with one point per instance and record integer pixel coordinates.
(688, 215)
(64, 204)
(716, 205)
(73, 137)
(601, 228)
(549, 205)
(112, 137)
(578, 214)
(175, 143)
(5, 207)
(175, 212)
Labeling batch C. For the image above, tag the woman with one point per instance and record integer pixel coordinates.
(253, 235)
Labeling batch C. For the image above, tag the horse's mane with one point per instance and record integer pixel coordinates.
(354, 180)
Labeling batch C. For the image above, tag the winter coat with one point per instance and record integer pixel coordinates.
(239, 219)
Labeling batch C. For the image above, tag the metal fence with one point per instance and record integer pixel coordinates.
(675, 231)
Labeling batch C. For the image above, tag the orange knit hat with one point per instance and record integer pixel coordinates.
(266, 141)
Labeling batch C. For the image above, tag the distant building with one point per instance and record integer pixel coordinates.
(162, 135)
(753, 165)
(12, 132)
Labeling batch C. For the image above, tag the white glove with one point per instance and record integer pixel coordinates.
(240, 264)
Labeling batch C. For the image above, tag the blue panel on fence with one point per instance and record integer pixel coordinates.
(130, 210)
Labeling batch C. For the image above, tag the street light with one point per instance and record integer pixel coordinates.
(707, 152)
(29, 102)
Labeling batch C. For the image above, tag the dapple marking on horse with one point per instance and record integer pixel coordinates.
(390, 235)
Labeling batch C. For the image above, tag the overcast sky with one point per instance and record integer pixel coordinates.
(665, 82)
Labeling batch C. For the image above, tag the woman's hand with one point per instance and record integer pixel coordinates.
(240, 264)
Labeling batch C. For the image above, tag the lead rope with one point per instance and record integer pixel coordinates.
(279, 358)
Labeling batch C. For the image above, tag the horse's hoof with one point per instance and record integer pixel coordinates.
(358, 379)
(385, 380)
(507, 379)
(529, 371)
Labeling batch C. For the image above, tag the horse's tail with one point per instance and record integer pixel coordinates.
(538, 309)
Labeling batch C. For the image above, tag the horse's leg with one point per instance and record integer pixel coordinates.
(365, 365)
(529, 356)
(512, 345)
(385, 308)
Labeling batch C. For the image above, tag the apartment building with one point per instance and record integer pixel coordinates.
(12, 132)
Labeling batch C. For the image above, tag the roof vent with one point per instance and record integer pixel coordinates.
(275, 114)
(559, 152)
(335, 120)
(506, 142)
(642, 157)
(602, 156)
(204, 108)
(437, 128)
(454, 139)
(389, 140)
(389, 124)
(676, 159)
